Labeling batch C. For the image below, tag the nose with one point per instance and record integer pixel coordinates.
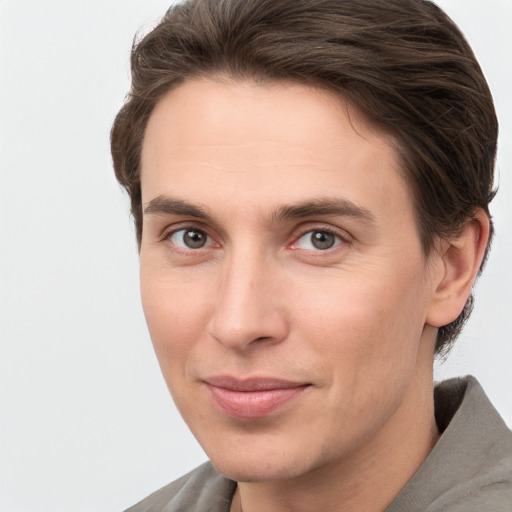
(248, 309)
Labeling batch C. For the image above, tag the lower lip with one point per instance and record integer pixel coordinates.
(252, 404)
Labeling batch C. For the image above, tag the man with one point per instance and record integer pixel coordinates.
(310, 183)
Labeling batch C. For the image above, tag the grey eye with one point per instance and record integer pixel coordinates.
(318, 240)
(189, 238)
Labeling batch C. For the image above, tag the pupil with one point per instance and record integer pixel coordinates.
(322, 240)
(194, 239)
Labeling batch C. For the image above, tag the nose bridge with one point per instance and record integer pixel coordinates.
(246, 308)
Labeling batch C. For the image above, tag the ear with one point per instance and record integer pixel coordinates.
(456, 267)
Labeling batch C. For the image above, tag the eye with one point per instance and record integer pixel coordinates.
(318, 241)
(189, 238)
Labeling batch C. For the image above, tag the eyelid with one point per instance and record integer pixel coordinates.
(174, 238)
(298, 233)
(169, 231)
(343, 236)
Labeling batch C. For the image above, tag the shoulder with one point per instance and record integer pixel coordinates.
(494, 497)
(204, 488)
(470, 468)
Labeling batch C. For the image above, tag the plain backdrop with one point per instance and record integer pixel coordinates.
(86, 423)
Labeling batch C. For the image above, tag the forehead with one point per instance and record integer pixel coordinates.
(266, 143)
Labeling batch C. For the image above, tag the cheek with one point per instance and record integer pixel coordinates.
(367, 340)
(364, 321)
(176, 315)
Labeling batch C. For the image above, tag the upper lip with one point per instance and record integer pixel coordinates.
(252, 383)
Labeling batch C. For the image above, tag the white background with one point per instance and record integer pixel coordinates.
(86, 423)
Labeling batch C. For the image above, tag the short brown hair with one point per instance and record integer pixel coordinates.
(403, 63)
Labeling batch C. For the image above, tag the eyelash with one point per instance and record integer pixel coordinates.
(340, 239)
(167, 236)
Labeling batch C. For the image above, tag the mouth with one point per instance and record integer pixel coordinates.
(252, 398)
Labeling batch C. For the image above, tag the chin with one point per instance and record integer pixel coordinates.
(260, 467)
(248, 472)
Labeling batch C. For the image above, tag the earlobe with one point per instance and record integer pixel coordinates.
(459, 262)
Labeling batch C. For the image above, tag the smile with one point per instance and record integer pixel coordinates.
(252, 398)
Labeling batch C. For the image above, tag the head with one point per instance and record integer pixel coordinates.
(310, 184)
(402, 64)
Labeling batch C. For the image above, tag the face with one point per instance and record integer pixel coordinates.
(282, 277)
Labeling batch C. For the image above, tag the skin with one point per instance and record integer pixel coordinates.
(355, 322)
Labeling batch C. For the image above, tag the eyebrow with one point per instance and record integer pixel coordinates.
(323, 207)
(165, 205)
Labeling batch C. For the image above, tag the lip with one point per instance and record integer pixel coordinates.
(252, 398)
